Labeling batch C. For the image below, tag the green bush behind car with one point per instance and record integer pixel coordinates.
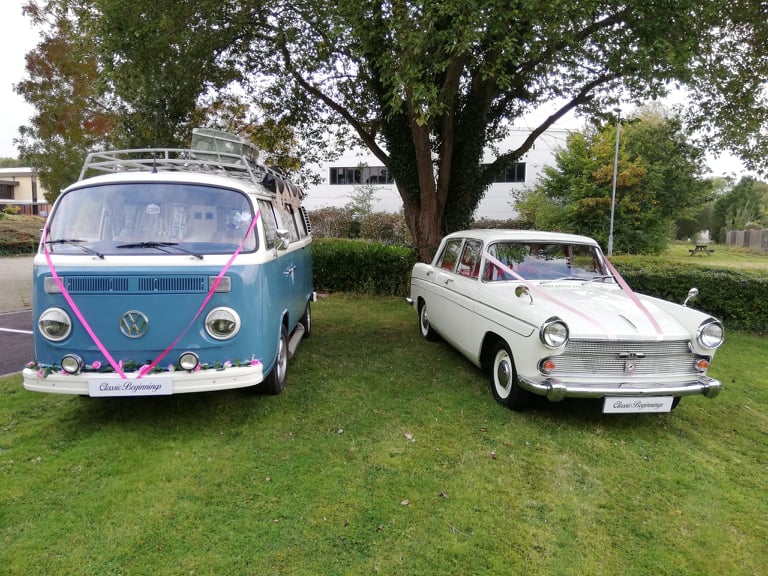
(737, 297)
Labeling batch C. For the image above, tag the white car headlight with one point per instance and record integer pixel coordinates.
(710, 334)
(222, 323)
(55, 324)
(554, 333)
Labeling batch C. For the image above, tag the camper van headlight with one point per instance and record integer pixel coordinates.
(222, 323)
(54, 324)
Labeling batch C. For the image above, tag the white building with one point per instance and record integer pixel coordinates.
(20, 187)
(361, 167)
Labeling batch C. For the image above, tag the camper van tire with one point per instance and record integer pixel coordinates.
(274, 383)
(306, 320)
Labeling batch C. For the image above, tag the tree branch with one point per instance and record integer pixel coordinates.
(366, 136)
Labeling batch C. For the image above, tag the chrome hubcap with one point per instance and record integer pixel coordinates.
(503, 379)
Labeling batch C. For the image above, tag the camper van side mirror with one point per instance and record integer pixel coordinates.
(283, 240)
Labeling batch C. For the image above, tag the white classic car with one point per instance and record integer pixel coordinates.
(547, 314)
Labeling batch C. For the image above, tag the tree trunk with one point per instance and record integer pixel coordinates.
(425, 224)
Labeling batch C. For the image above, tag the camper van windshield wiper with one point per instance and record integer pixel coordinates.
(161, 246)
(77, 243)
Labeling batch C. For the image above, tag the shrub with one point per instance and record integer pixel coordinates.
(331, 222)
(386, 228)
(737, 297)
(19, 234)
(342, 265)
(381, 227)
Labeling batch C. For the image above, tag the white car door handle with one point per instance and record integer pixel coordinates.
(289, 271)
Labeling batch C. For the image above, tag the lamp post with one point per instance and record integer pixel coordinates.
(615, 173)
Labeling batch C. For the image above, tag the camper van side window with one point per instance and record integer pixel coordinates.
(288, 222)
(270, 224)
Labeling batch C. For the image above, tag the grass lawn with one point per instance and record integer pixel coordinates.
(724, 256)
(386, 454)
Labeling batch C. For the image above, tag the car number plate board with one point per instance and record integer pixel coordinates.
(648, 404)
(114, 385)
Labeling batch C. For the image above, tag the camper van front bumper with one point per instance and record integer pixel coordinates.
(153, 384)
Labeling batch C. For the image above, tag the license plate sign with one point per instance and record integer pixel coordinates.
(649, 404)
(113, 385)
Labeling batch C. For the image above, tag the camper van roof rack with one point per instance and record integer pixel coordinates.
(213, 152)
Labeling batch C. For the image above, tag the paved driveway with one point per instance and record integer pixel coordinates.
(15, 315)
(15, 283)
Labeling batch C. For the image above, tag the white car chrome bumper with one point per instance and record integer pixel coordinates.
(555, 389)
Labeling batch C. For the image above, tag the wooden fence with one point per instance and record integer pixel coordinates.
(753, 239)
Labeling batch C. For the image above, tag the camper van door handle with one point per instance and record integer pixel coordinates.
(289, 271)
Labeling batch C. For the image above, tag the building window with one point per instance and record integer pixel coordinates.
(346, 176)
(516, 173)
(6, 190)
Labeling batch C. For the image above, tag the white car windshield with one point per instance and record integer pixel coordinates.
(150, 218)
(545, 261)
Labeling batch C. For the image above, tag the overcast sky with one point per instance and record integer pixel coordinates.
(18, 37)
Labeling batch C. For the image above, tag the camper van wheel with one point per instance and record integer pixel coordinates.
(306, 320)
(274, 383)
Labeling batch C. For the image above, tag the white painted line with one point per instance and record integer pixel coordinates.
(16, 331)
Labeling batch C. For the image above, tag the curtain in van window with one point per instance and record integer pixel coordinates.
(269, 222)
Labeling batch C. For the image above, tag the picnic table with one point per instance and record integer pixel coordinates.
(701, 248)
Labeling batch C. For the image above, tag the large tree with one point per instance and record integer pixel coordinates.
(74, 108)
(427, 86)
(658, 178)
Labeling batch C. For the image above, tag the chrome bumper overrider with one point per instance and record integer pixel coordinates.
(555, 389)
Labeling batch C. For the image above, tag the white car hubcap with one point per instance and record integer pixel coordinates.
(502, 374)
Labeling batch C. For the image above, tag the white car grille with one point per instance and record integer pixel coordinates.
(626, 358)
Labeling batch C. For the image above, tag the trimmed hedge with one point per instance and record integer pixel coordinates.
(737, 297)
(364, 267)
(19, 234)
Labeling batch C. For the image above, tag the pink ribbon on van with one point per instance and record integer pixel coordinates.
(147, 367)
(79, 315)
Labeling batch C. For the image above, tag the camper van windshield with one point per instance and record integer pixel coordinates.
(151, 218)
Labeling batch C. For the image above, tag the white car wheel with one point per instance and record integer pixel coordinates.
(425, 328)
(504, 383)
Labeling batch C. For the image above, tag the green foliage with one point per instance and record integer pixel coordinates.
(656, 181)
(75, 110)
(743, 206)
(385, 228)
(381, 227)
(331, 222)
(362, 267)
(428, 87)
(19, 234)
(737, 297)
(361, 201)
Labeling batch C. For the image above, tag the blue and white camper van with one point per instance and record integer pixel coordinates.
(163, 271)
